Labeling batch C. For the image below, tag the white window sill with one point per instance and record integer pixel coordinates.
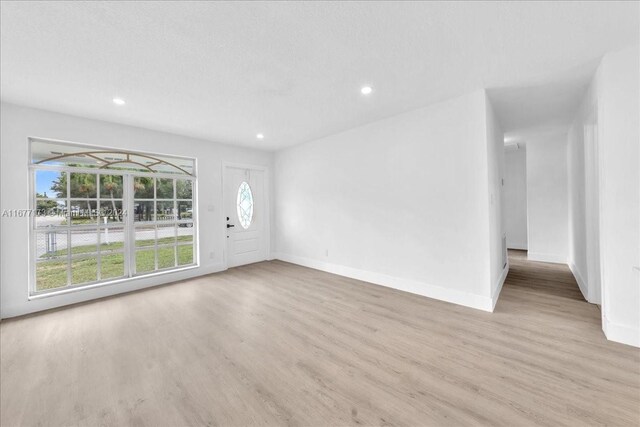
(67, 290)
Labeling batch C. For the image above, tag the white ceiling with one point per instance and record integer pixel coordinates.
(293, 70)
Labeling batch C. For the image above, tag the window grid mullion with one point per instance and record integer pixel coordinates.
(155, 223)
(68, 222)
(131, 230)
(98, 230)
(175, 222)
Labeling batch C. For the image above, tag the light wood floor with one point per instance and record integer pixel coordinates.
(277, 344)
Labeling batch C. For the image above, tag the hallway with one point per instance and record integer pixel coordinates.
(541, 278)
(546, 295)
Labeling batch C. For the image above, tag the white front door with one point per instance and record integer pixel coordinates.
(246, 215)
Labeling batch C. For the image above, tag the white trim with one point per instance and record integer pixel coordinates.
(602, 244)
(83, 287)
(557, 259)
(621, 333)
(581, 282)
(245, 166)
(501, 280)
(407, 285)
(518, 246)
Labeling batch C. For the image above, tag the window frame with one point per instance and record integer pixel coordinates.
(128, 224)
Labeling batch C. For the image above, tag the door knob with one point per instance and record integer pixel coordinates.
(230, 225)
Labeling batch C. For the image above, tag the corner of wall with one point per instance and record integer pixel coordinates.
(618, 112)
(621, 333)
(582, 284)
(498, 287)
(494, 139)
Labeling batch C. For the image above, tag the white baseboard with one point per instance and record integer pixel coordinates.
(518, 246)
(621, 333)
(496, 293)
(407, 285)
(581, 283)
(557, 259)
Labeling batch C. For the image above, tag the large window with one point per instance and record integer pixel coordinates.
(103, 215)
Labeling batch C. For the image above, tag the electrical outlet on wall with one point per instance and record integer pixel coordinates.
(212, 255)
(326, 252)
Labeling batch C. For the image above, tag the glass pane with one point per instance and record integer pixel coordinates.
(185, 210)
(51, 184)
(51, 274)
(84, 270)
(245, 205)
(111, 266)
(166, 257)
(51, 212)
(165, 211)
(111, 239)
(185, 232)
(143, 187)
(164, 188)
(51, 244)
(110, 211)
(83, 212)
(184, 189)
(143, 210)
(84, 241)
(145, 261)
(83, 185)
(185, 255)
(111, 186)
(145, 236)
(166, 234)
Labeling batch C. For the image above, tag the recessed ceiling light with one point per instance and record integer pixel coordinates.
(260, 136)
(118, 101)
(366, 90)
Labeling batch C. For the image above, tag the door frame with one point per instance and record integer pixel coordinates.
(593, 172)
(267, 203)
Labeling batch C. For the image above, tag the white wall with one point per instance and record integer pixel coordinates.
(495, 162)
(547, 198)
(19, 123)
(515, 196)
(619, 140)
(402, 202)
(581, 174)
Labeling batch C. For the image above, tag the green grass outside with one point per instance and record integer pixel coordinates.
(115, 246)
(53, 274)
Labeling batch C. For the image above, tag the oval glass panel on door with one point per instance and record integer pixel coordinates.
(245, 205)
